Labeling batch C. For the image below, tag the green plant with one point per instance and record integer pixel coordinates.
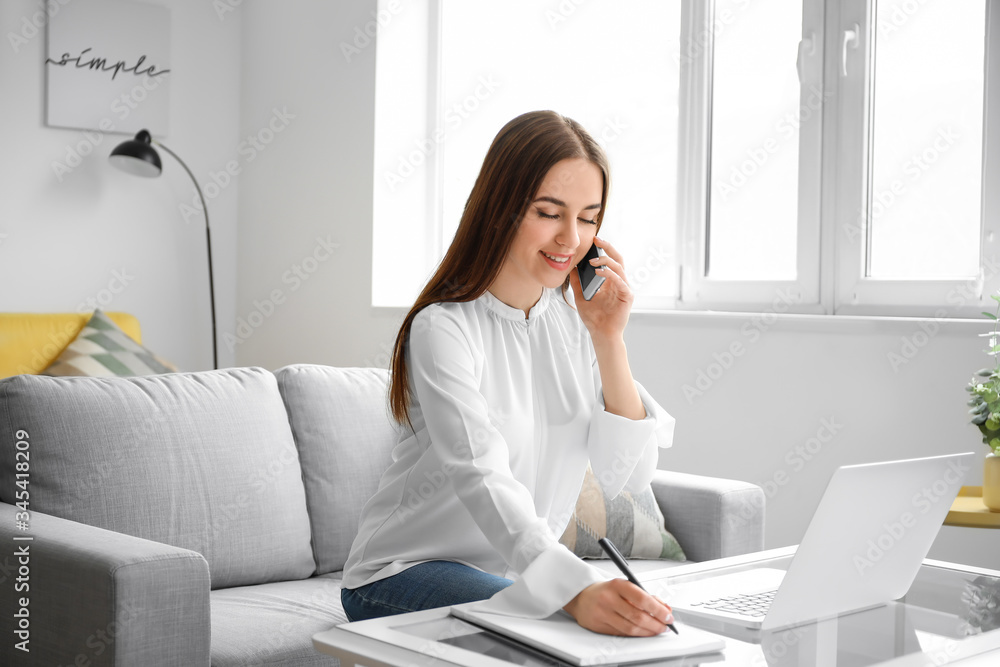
(985, 401)
(982, 601)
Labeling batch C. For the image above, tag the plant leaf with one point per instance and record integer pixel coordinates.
(989, 315)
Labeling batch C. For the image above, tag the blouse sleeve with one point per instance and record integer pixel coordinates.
(624, 452)
(475, 457)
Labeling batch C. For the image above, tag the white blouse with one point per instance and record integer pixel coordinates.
(506, 413)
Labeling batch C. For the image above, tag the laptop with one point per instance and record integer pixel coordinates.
(871, 531)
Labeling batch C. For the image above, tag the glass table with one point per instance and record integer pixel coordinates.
(949, 616)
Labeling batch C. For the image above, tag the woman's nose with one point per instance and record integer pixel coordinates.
(569, 236)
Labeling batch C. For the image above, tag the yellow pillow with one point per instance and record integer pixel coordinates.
(31, 341)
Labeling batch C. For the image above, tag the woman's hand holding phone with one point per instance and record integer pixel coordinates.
(606, 313)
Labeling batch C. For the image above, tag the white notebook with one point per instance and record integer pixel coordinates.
(561, 636)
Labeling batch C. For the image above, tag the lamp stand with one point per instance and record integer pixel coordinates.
(208, 241)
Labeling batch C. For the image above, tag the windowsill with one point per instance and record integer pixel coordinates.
(805, 322)
(810, 322)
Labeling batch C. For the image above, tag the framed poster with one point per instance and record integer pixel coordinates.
(108, 67)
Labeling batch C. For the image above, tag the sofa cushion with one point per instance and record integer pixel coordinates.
(345, 437)
(273, 624)
(102, 349)
(203, 461)
(632, 521)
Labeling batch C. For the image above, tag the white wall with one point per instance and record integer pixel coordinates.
(66, 238)
(313, 182)
(762, 418)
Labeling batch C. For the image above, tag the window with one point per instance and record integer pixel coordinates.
(830, 154)
(914, 229)
(611, 67)
(925, 142)
(749, 209)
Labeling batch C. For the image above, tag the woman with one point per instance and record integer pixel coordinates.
(507, 392)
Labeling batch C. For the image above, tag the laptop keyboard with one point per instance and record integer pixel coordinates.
(754, 605)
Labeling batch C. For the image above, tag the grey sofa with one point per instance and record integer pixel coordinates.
(204, 518)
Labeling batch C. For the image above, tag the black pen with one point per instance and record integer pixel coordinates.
(619, 560)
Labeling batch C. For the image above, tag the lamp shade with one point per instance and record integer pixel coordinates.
(137, 156)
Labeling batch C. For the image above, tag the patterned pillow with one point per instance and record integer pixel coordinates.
(101, 349)
(632, 521)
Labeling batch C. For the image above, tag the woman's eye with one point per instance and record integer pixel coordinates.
(543, 214)
(589, 222)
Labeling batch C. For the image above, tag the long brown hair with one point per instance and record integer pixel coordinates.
(516, 164)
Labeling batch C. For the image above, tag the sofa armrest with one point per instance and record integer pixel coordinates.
(82, 595)
(711, 517)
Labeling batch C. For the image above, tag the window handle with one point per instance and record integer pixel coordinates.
(807, 47)
(850, 40)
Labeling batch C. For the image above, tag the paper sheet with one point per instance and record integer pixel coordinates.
(561, 636)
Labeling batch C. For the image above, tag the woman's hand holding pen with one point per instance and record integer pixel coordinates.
(618, 607)
(606, 314)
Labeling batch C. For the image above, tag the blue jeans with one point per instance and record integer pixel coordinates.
(436, 583)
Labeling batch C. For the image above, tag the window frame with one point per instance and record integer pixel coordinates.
(833, 177)
(854, 292)
(697, 291)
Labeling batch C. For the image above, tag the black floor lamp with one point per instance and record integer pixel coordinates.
(138, 157)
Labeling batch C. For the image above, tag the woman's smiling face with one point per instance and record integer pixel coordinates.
(556, 232)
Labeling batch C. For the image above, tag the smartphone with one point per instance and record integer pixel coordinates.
(589, 280)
